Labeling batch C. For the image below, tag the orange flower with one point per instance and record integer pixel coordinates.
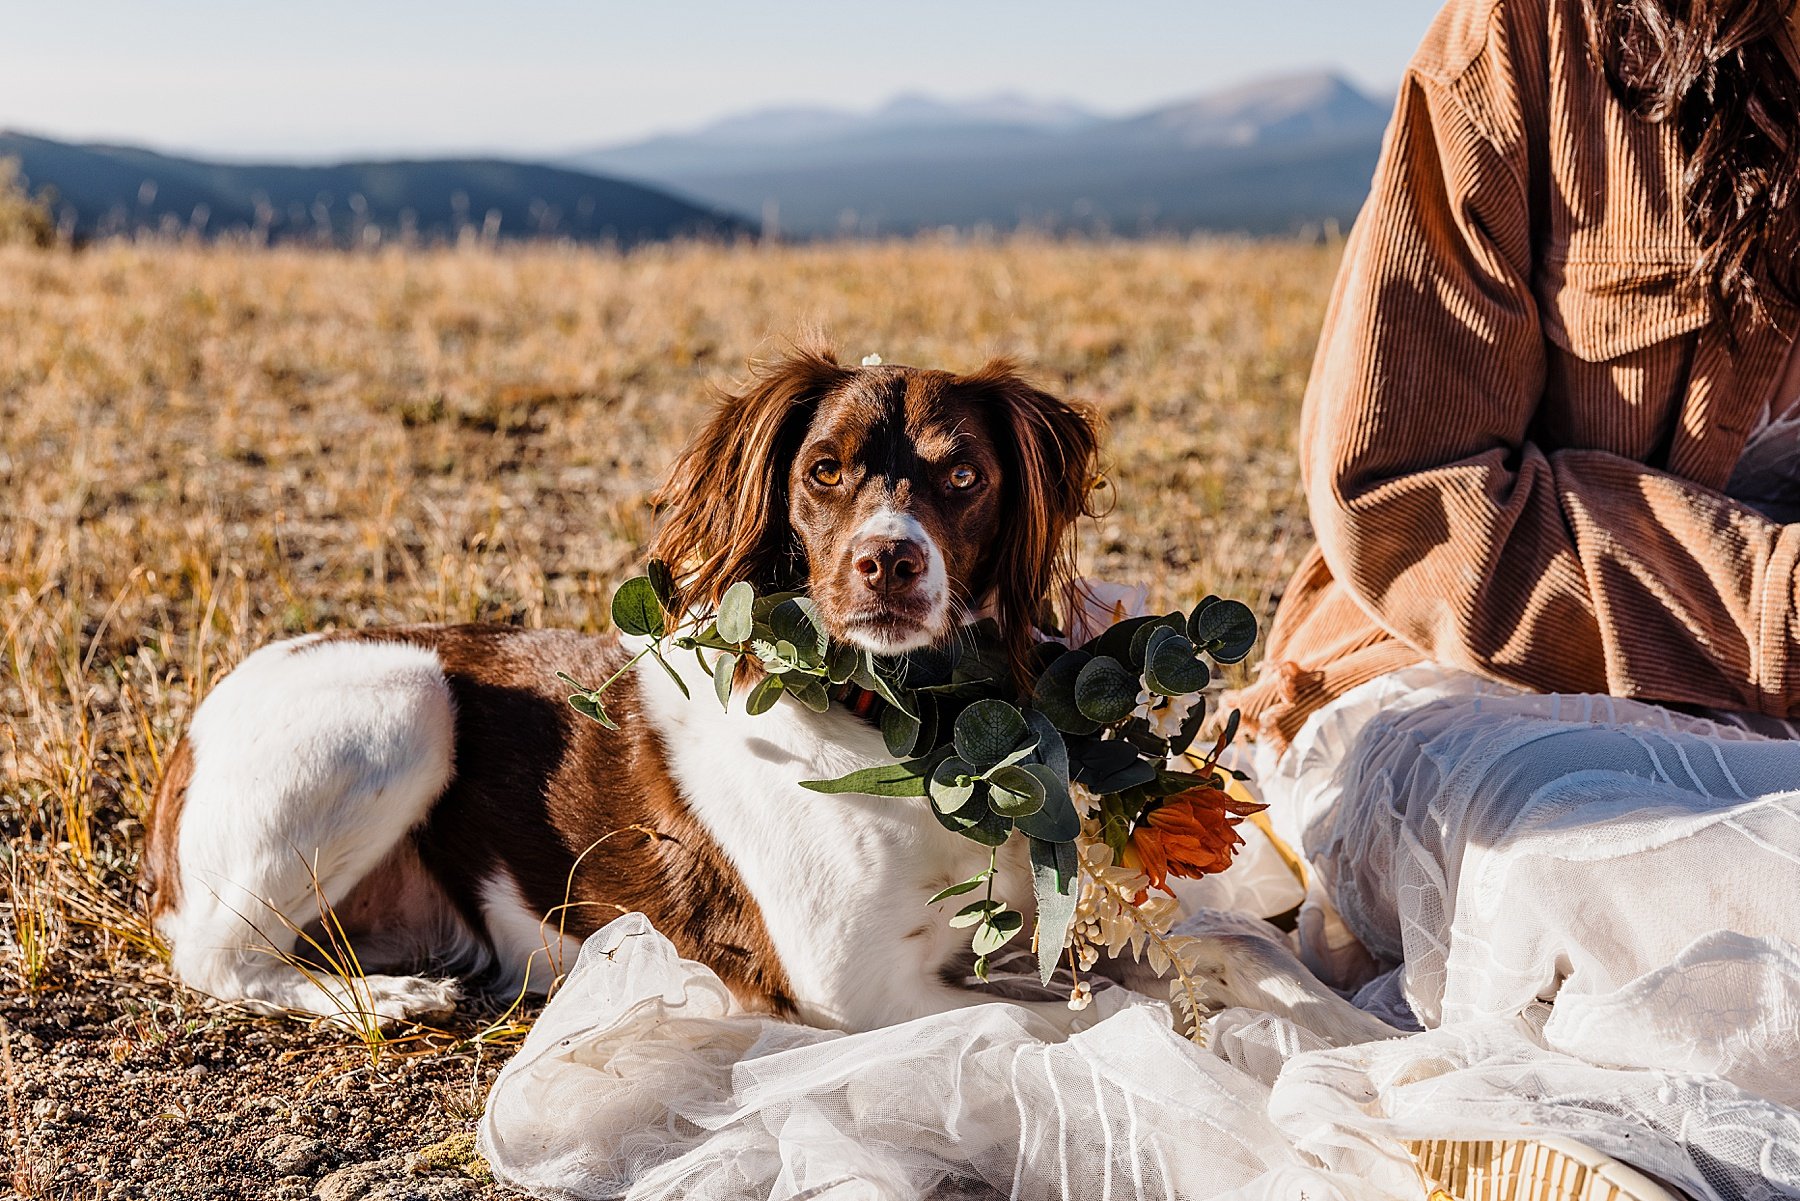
(1190, 834)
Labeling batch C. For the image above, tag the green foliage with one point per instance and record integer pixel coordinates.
(1225, 629)
(636, 609)
(735, 622)
(989, 761)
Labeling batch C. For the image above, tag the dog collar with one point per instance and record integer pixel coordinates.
(858, 700)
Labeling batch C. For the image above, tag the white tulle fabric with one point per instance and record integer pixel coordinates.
(1593, 903)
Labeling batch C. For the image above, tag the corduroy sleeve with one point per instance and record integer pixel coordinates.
(1571, 571)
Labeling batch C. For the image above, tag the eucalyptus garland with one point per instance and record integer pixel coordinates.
(1107, 717)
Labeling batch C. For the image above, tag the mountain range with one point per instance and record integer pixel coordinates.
(1268, 157)
(119, 189)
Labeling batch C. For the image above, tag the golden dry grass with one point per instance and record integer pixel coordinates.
(202, 449)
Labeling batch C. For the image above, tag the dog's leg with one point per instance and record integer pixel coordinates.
(310, 763)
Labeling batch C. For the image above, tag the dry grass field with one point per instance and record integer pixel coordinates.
(202, 449)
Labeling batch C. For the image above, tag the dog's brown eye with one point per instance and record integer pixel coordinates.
(963, 477)
(828, 472)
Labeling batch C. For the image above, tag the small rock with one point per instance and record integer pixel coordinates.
(292, 1155)
(389, 1180)
(354, 1183)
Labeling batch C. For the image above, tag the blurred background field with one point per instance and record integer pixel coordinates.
(203, 448)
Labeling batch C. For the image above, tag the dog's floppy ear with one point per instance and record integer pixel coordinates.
(1051, 449)
(725, 512)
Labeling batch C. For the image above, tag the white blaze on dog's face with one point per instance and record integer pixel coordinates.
(895, 495)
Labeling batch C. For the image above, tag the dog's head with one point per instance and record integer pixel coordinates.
(902, 500)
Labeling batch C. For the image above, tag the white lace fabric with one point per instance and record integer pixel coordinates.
(1590, 901)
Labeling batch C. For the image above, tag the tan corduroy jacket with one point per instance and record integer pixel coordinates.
(1522, 412)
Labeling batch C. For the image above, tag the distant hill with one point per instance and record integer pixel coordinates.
(112, 189)
(1266, 158)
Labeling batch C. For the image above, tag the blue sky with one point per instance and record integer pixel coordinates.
(253, 78)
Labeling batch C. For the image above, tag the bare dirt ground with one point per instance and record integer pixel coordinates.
(202, 449)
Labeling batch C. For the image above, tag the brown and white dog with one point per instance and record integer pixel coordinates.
(432, 785)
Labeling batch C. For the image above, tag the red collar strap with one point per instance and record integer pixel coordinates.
(858, 700)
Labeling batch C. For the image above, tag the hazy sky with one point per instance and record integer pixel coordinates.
(251, 78)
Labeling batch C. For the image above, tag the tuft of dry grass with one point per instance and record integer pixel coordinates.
(202, 449)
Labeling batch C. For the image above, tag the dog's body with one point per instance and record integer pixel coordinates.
(426, 796)
(443, 792)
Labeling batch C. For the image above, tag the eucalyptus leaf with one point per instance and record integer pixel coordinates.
(724, 673)
(961, 887)
(928, 667)
(929, 725)
(1225, 629)
(763, 697)
(1148, 633)
(797, 621)
(997, 931)
(1048, 743)
(1054, 694)
(952, 785)
(735, 619)
(971, 915)
(589, 706)
(1015, 792)
(1173, 669)
(977, 822)
(1115, 640)
(1053, 884)
(808, 690)
(1056, 820)
(888, 779)
(989, 730)
(1156, 635)
(766, 604)
(980, 658)
(1106, 690)
(1023, 753)
(635, 609)
(842, 663)
(1104, 767)
(900, 731)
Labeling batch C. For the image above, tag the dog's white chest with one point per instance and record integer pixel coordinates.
(842, 880)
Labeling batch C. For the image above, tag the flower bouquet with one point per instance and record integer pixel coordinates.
(1090, 759)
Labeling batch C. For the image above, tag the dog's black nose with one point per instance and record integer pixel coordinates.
(889, 565)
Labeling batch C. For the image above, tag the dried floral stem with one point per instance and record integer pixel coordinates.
(1171, 947)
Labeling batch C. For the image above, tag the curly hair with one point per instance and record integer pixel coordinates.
(1723, 72)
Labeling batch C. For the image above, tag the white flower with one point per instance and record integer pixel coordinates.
(871, 360)
(1164, 714)
(1090, 606)
(1082, 997)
